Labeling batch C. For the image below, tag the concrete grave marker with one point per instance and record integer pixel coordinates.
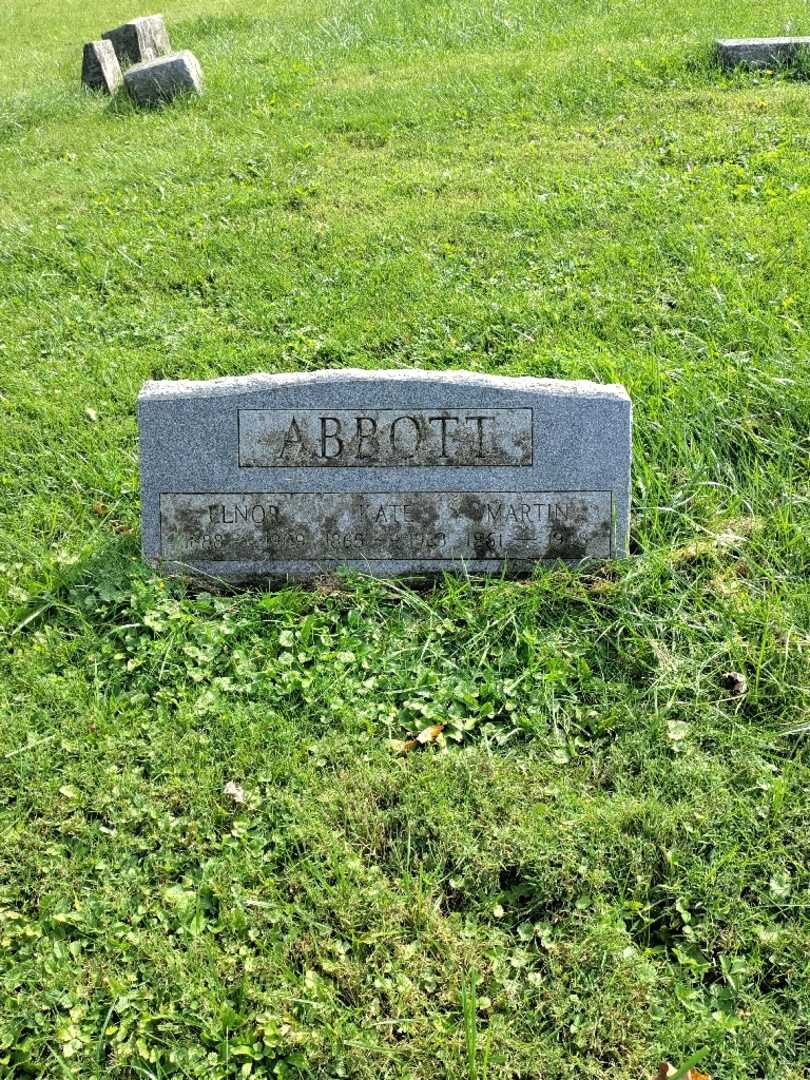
(387, 472)
(139, 40)
(100, 67)
(156, 81)
(759, 52)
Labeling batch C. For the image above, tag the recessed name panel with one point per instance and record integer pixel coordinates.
(363, 437)
(268, 527)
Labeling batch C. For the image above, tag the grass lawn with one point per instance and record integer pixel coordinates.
(606, 863)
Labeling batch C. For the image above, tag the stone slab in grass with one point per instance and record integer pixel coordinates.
(100, 67)
(141, 39)
(387, 472)
(157, 81)
(760, 52)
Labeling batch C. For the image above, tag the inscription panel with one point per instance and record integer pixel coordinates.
(276, 438)
(419, 527)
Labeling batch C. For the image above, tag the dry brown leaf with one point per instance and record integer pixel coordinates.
(430, 734)
(667, 1069)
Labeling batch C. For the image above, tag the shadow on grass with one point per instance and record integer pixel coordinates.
(95, 588)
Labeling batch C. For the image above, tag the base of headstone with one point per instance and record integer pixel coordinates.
(760, 52)
(100, 67)
(385, 472)
(158, 81)
(139, 40)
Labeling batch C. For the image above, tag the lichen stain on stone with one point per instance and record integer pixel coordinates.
(271, 528)
(469, 507)
(424, 512)
(570, 542)
(522, 442)
(183, 520)
(566, 543)
(484, 546)
(466, 449)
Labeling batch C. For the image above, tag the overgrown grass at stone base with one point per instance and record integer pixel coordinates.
(602, 861)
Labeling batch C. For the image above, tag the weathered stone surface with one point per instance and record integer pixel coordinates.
(388, 472)
(139, 40)
(100, 67)
(157, 81)
(759, 52)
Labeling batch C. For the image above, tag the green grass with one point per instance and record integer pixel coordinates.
(605, 863)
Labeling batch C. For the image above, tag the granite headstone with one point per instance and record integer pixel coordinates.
(387, 472)
(100, 67)
(760, 52)
(141, 39)
(156, 81)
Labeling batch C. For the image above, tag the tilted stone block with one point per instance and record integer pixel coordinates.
(156, 81)
(100, 67)
(760, 52)
(139, 40)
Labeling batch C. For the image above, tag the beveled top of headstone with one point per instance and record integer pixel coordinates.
(139, 39)
(381, 380)
(774, 41)
(386, 471)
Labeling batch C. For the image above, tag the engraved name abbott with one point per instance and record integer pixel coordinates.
(394, 437)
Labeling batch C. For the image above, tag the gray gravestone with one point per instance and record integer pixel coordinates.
(100, 67)
(759, 52)
(160, 80)
(139, 40)
(387, 472)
